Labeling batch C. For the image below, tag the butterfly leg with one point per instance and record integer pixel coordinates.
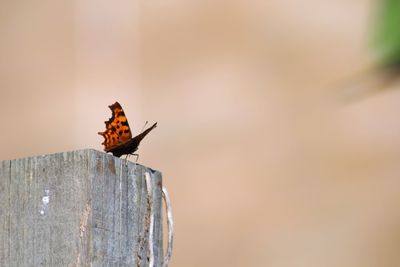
(126, 159)
(137, 157)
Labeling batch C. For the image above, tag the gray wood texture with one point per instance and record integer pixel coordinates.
(79, 208)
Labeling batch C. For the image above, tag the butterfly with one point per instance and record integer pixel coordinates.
(118, 137)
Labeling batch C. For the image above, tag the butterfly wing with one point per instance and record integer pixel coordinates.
(117, 129)
(140, 136)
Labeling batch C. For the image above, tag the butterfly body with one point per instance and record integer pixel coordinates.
(118, 137)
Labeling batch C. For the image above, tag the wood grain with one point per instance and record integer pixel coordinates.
(79, 208)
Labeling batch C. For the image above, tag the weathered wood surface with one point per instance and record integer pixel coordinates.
(80, 208)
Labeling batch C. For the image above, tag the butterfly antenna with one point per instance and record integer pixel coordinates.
(144, 127)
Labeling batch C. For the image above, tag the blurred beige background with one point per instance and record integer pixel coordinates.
(264, 164)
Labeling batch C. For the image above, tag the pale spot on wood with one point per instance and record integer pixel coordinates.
(84, 220)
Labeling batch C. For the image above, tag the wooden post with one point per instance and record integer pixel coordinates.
(80, 208)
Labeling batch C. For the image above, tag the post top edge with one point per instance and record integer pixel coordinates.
(90, 152)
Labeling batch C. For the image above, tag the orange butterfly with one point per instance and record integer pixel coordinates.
(118, 136)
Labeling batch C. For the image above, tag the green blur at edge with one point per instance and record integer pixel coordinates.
(387, 37)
